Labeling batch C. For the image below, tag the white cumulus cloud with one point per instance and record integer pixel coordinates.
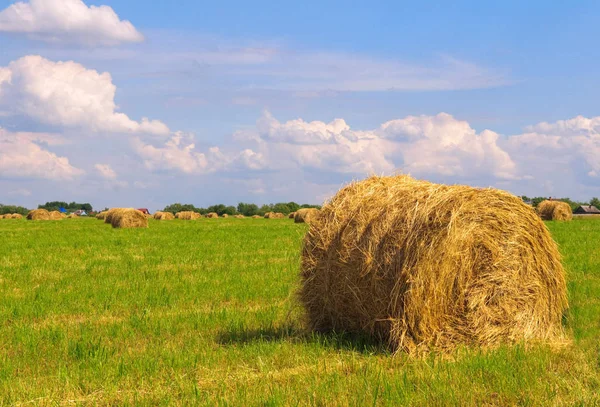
(67, 94)
(68, 21)
(22, 158)
(106, 171)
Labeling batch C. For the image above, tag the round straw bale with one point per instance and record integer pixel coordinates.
(72, 216)
(14, 216)
(274, 215)
(239, 216)
(56, 215)
(188, 215)
(554, 210)
(3, 216)
(256, 217)
(306, 215)
(128, 218)
(164, 216)
(101, 215)
(110, 213)
(225, 215)
(212, 215)
(428, 267)
(38, 214)
(291, 215)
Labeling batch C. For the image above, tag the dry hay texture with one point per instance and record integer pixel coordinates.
(13, 216)
(102, 215)
(554, 210)
(128, 218)
(430, 267)
(292, 215)
(188, 215)
(164, 216)
(56, 215)
(274, 215)
(38, 214)
(239, 216)
(306, 215)
(212, 215)
(110, 213)
(225, 215)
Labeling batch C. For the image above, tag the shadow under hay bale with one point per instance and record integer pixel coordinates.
(306, 215)
(128, 218)
(164, 216)
(425, 267)
(554, 210)
(38, 214)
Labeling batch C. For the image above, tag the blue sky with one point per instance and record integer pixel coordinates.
(242, 99)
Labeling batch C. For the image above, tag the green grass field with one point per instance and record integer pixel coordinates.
(203, 312)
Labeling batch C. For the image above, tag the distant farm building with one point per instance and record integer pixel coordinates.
(587, 210)
(144, 211)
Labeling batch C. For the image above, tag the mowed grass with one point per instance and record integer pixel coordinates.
(203, 312)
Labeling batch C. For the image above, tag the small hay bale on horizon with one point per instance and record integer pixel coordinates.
(306, 215)
(38, 214)
(428, 267)
(274, 215)
(239, 216)
(72, 216)
(14, 216)
(225, 215)
(256, 217)
(163, 216)
(188, 215)
(554, 210)
(56, 215)
(129, 218)
(211, 215)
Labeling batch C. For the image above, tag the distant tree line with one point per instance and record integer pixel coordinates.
(574, 204)
(70, 207)
(4, 209)
(246, 209)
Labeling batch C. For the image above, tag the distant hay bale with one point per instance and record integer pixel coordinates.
(554, 210)
(291, 215)
(72, 216)
(14, 216)
(306, 215)
(239, 216)
(274, 215)
(38, 214)
(164, 216)
(225, 215)
(256, 217)
(188, 215)
(211, 215)
(3, 217)
(424, 267)
(101, 215)
(56, 215)
(128, 218)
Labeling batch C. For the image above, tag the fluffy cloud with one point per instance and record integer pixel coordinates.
(69, 95)
(22, 158)
(425, 145)
(68, 21)
(572, 144)
(106, 171)
(443, 145)
(179, 154)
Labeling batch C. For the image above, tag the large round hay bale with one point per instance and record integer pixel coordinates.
(38, 214)
(72, 216)
(554, 210)
(274, 215)
(306, 215)
(101, 215)
(128, 218)
(425, 266)
(15, 216)
(164, 216)
(211, 215)
(188, 215)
